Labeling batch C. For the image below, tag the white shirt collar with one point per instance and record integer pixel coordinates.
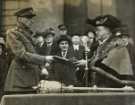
(64, 54)
(41, 44)
(76, 47)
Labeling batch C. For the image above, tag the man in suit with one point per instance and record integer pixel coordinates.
(44, 47)
(49, 40)
(79, 55)
(24, 69)
(40, 43)
(77, 47)
(45, 41)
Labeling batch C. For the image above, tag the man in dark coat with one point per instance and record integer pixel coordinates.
(79, 52)
(45, 41)
(77, 47)
(24, 69)
(49, 40)
(40, 43)
(44, 47)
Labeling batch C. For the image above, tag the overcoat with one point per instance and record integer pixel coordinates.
(24, 69)
(63, 71)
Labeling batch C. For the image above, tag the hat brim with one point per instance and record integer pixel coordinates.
(64, 38)
(30, 16)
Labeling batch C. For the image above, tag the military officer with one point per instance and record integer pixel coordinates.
(24, 69)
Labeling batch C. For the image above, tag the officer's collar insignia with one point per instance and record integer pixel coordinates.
(101, 21)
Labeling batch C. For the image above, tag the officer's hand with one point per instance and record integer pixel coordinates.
(81, 62)
(49, 59)
(44, 72)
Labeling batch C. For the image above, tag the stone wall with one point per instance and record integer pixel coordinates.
(49, 13)
(100, 7)
(9, 7)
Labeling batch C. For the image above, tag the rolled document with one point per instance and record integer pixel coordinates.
(50, 86)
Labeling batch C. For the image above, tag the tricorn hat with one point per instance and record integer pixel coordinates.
(106, 20)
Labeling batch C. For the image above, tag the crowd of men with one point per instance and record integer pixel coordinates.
(66, 59)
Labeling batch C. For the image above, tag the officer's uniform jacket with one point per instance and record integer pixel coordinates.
(24, 68)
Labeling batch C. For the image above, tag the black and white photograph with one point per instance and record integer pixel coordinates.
(67, 52)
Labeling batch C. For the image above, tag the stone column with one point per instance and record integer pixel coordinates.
(75, 14)
(1, 13)
(101, 7)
